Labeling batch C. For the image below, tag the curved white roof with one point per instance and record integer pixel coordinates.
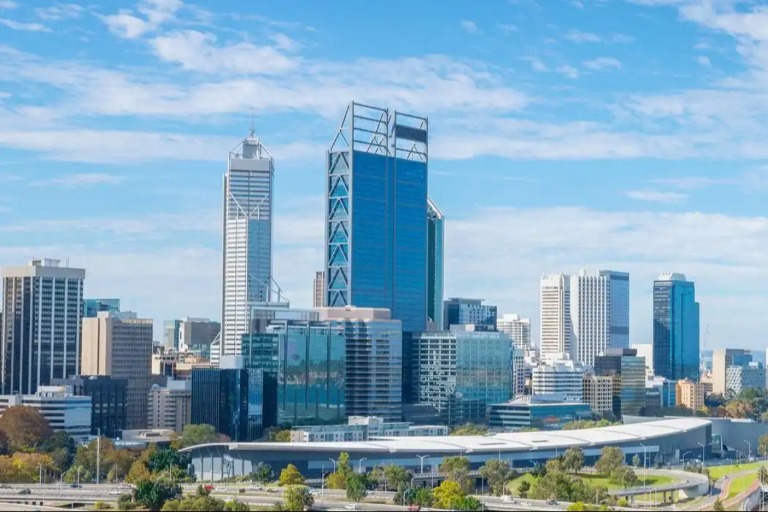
(507, 442)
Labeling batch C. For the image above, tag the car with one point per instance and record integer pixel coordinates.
(351, 506)
(551, 501)
(256, 488)
(25, 491)
(271, 489)
(115, 493)
(5, 486)
(314, 492)
(413, 508)
(507, 499)
(75, 486)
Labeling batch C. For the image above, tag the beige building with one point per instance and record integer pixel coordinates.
(120, 344)
(319, 289)
(598, 393)
(722, 358)
(689, 394)
(170, 407)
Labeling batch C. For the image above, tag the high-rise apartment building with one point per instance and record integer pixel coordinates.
(247, 264)
(170, 406)
(598, 393)
(120, 345)
(459, 311)
(197, 334)
(462, 372)
(42, 312)
(517, 328)
(722, 358)
(599, 309)
(555, 304)
(563, 377)
(628, 373)
(675, 328)
(374, 361)
(91, 307)
(318, 299)
(435, 264)
(376, 214)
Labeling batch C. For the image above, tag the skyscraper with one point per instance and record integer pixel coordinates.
(556, 329)
(318, 300)
(459, 311)
(599, 313)
(42, 311)
(518, 329)
(675, 328)
(376, 214)
(435, 269)
(247, 263)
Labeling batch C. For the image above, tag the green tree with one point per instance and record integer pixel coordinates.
(524, 488)
(138, 471)
(86, 456)
(611, 458)
(153, 493)
(125, 502)
(448, 494)
(291, 476)
(636, 461)
(556, 465)
(3, 443)
(356, 487)
(718, 506)
(203, 503)
(762, 475)
(71, 475)
(396, 477)
(100, 505)
(25, 428)
(624, 476)
(574, 459)
(62, 449)
(467, 503)
(469, 429)
(343, 465)
(197, 434)
(456, 469)
(298, 497)
(336, 481)
(283, 436)
(263, 473)
(120, 462)
(497, 473)
(423, 497)
(762, 445)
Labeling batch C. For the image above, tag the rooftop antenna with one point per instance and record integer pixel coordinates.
(252, 130)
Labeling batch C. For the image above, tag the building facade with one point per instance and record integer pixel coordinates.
(376, 214)
(517, 328)
(171, 334)
(459, 311)
(599, 309)
(435, 265)
(675, 328)
(518, 371)
(109, 401)
(549, 412)
(563, 377)
(92, 307)
(57, 404)
(170, 406)
(361, 428)
(598, 393)
(555, 304)
(689, 394)
(628, 373)
(318, 290)
(120, 345)
(739, 378)
(197, 334)
(42, 311)
(247, 263)
(462, 372)
(722, 358)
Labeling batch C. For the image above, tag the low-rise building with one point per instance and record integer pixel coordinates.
(544, 412)
(57, 404)
(170, 406)
(363, 428)
(598, 393)
(689, 394)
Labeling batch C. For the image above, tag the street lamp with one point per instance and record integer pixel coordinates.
(360, 464)
(421, 458)
(749, 454)
(703, 453)
(645, 462)
(334, 464)
(686, 453)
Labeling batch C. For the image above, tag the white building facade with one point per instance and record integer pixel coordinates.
(555, 304)
(57, 404)
(517, 328)
(563, 377)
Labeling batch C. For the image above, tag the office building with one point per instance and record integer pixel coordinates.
(544, 412)
(120, 345)
(599, 309)
(435, 265)
(197, 334)
(555, 305)
(374, 361)
(42, 311)
(318, 299)
(91, 307)
(170, 406)
(739, 378)
(645, 350)
(517, 328)
(598, 393)
(561, 376)
(57, 404)
(689, 394)
(628, 373)
(304, 364)
(171, 334)
(109, 401)
(360, 428)
(675, 328)
(230, 399)
(247, 264)
(462, 372)
(165, 364)
(518, 371)
(664, 390)
(722, 358)
(376, 214)
(458, 311)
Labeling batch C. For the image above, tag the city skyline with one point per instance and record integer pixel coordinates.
(514, 220)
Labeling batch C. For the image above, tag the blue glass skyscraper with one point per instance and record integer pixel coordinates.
(675, 328)
(435, 262)
(376, 214)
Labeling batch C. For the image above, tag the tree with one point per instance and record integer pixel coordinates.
(423, 497)
(3, 443)
(291, 476)
(120, 462)
(203, 504)
(24, 467)
(447, 494)
(611, 458)
(467, 503)
(718, 505)
(496, 472)
(164, 458)
(342, 465)
(636, 461)
(283, 436)
(469, 429)
(456, 469)
(197, 434)
(762, 445)
(336, 481)
(137, 472)
(574, 459)
(762, 475)
(263, 473)
(77, 474)
(25, 428)
(556, 465)
(356, 487)
(153, 493)
(298, 497)
(396, 477)
(62, 449)
(624, 476)
(524, 488)
(86, 456)
(125, 502)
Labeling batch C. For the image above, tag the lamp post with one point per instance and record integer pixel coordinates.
(749, 454)
(322, 481)
(686, 453)
(421, 458)
(360, 465)
(98, 454)
(703, 453)
(645, 462)
(334, 464)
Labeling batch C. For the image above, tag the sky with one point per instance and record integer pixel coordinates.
(618, 134)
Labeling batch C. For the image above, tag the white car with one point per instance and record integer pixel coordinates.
(255, 487)
(351, 506)
(115, 493)
(507, 499)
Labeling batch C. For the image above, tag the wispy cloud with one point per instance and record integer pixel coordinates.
(655, 196)
(704, 61)
(60, 12)
(508, 28)
(578, 36)
(568, 71)
(80, 180)
(8, 4)
(469, 26)
(601, 63)
(21, 26)
(149, 15)
(688, 182)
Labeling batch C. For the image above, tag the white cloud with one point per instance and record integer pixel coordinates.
(537, 65)
(569, 71)
(152, 14)
(508, 28)
(601, 63)
(60, 12)
(469, 26)
(8, 4)
(689, 182)
(704, 61)
(577, 36)
(80, 180)
(27, 27)
(655, 196)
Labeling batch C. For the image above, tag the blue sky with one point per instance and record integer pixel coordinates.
(565, 134)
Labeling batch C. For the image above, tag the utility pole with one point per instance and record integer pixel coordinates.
(98, 454)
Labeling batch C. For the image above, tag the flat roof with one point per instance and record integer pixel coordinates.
(507, 442)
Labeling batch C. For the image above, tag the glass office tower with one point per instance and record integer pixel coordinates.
(627, 370)
(675, 328)
(435, 259)
(376, 214)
